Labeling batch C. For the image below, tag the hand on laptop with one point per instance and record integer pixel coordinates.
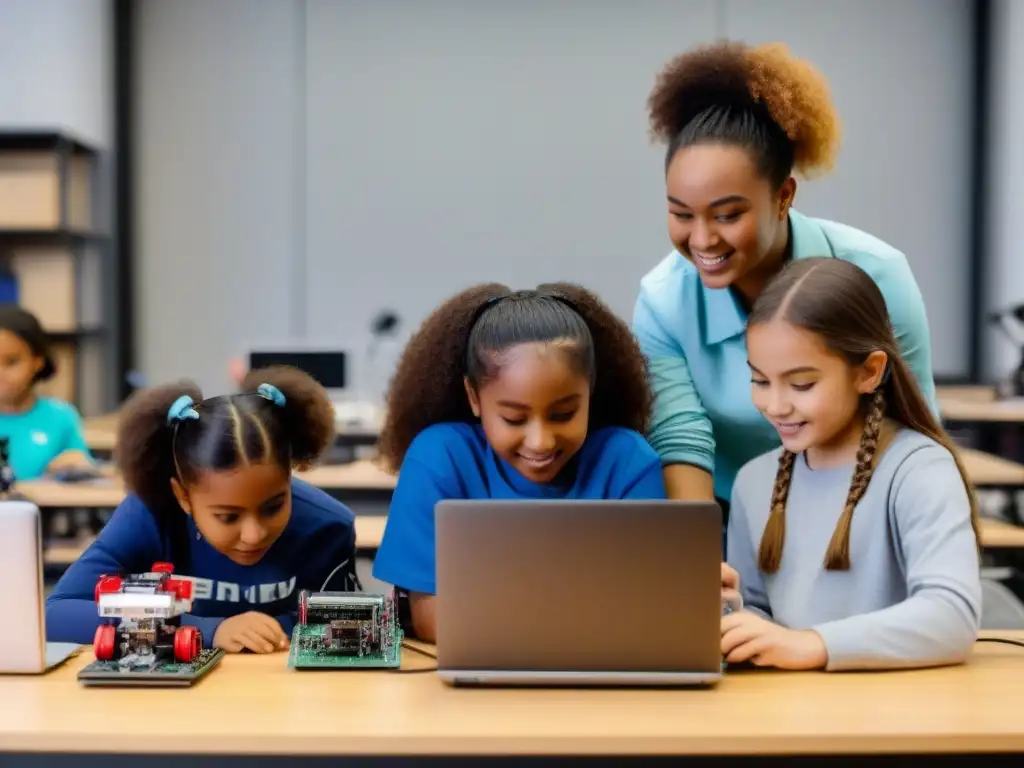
(731, 587)
(747, 637)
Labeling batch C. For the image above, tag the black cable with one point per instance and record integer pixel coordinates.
(1004, 640)
(422, 652)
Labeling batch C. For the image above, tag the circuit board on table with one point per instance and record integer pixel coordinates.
(345, 630)
(308, 652)
(168, 674)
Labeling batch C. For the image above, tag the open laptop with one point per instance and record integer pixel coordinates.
(579, 592)
(23, 646)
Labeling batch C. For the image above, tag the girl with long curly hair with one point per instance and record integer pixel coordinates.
(509, 395)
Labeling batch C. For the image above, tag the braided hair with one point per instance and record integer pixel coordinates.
(840, 303)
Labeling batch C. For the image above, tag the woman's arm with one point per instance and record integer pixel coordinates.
(687, 482)
(680, 430)
(939, 620)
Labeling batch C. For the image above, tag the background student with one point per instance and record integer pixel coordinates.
(500, 395)
(44, 433)
(856, 542)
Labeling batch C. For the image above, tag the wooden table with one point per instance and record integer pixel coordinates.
(976, 392)
(100, 433)
(984, 470)
(255, 705)
(1009, 411)
(997, 534)
(109, 491)
(987, 470)
(106, 493)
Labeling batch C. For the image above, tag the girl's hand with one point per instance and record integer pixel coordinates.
(748, 637)
(731, 586)
(68, 459)
(252, 631)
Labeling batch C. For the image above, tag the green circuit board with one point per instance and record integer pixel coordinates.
(110, 673)
(308, 651)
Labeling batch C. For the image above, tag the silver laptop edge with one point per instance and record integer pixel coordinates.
(578, 593)
(25, 650)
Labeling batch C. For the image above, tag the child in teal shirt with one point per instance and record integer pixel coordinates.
(44, 434)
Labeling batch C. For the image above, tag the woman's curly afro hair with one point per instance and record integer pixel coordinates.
(465, 336)
(759, 97)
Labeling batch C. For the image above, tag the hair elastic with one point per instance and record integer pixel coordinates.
(182, 409)
(271, 393)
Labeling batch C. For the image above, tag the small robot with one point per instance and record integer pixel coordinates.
(150, 606)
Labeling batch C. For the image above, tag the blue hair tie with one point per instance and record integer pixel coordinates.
(182, 409)
(271, 393)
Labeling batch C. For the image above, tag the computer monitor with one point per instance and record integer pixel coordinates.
(329, 367)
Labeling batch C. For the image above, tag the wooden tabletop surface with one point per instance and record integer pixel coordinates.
(979, 404)
(109, 491)
(257, 705)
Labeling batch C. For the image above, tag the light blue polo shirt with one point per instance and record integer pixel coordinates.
(695, 340)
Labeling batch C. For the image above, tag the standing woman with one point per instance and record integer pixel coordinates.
(738, 121)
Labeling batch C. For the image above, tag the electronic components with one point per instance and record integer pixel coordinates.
(345, 630)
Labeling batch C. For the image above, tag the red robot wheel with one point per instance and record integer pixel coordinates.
(162, 568)
(303, 606)
(104, 642)
(187, 644)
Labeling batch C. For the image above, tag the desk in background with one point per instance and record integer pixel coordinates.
(362, 486)
(367, 490)
(254, 705)
(977, 414)
(100, 433)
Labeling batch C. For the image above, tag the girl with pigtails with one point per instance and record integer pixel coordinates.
(538, 394)
(856, 542)
(211, 491)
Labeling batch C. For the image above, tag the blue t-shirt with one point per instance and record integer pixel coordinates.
(316, 551)
(455, 461)
(41, 434)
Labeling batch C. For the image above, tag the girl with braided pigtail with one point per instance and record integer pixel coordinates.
(856, 543)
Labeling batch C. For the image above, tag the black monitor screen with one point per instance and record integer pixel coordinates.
(328, 368)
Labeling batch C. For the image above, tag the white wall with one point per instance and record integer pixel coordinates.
(217, 177)
(901, 78)
(1005, 279)
(387, 154)
(56, 67)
